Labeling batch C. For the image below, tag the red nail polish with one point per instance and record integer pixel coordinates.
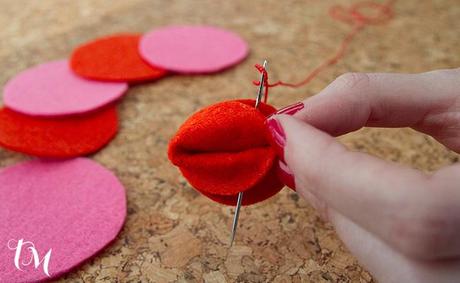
(291, 109)
(278, 136)
(285, 175)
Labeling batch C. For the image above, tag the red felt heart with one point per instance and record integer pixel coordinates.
(225, 149)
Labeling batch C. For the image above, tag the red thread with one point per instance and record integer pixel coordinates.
(353, 16)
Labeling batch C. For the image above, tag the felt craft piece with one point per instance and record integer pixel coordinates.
(52, 89)
(69, 209)
(57, 137)
(114, 58)
(193, 49)
(225, 149)
(269, 186)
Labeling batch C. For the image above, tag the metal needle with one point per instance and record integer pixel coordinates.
(240, 195)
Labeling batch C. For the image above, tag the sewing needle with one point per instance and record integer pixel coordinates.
(240, 194)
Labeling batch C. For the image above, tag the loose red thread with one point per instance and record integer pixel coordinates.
(352, 16)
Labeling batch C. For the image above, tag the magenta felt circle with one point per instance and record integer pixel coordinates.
(73, 208)
(52, 89)
(193, 49)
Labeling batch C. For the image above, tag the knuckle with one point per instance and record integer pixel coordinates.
(353, 81)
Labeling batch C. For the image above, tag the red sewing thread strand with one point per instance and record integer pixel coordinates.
(352, 16)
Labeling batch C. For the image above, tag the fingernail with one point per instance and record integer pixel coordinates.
(285, 175)
(279, 137)
(291, 109)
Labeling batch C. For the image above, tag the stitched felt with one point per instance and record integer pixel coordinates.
(269, 186)
(114, 58)
(74, 207)
(193, 49)
(57, 137)
(225, 149)
(52, 89)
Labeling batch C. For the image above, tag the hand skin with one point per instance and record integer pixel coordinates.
(403, 225)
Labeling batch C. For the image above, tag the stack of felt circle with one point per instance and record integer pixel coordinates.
(67, 108)
(51, 112)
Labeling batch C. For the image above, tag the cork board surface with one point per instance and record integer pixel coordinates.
(172, 234)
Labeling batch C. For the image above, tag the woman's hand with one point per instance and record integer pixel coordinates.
(401, 224)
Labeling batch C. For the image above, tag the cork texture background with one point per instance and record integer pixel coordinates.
(172, 234)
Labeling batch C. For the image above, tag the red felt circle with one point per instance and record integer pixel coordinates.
(51, 137)
(225, 149)
(269, 186)
(113, 58)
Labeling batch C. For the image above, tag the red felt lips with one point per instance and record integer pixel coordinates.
(225, 149)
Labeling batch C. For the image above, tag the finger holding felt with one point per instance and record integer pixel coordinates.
(387, 199)
(57, 137)
(114, 58)
(52, 89)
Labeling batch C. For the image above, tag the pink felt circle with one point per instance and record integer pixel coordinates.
(74, 208)
(193, 49)
(52, 89)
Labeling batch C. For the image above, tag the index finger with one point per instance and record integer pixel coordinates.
(414, 212)
(356, 100)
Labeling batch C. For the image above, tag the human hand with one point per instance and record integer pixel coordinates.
(402, 225)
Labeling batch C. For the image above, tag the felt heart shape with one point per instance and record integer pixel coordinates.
(225, 149)
(193, 49)
(52, 89)
(57, 137)
(114, 58)
(73, 208)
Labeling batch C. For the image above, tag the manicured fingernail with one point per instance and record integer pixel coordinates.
(285, 175)
(291, 109)
(279, 137)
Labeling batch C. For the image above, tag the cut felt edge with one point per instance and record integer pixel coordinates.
(58, 144)
(93, 60)
(211, 122)
(267, 187)
(228, 126)
(111, 241)
(44, 80)
(145, 49)
(118, 225)
(227, 179)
